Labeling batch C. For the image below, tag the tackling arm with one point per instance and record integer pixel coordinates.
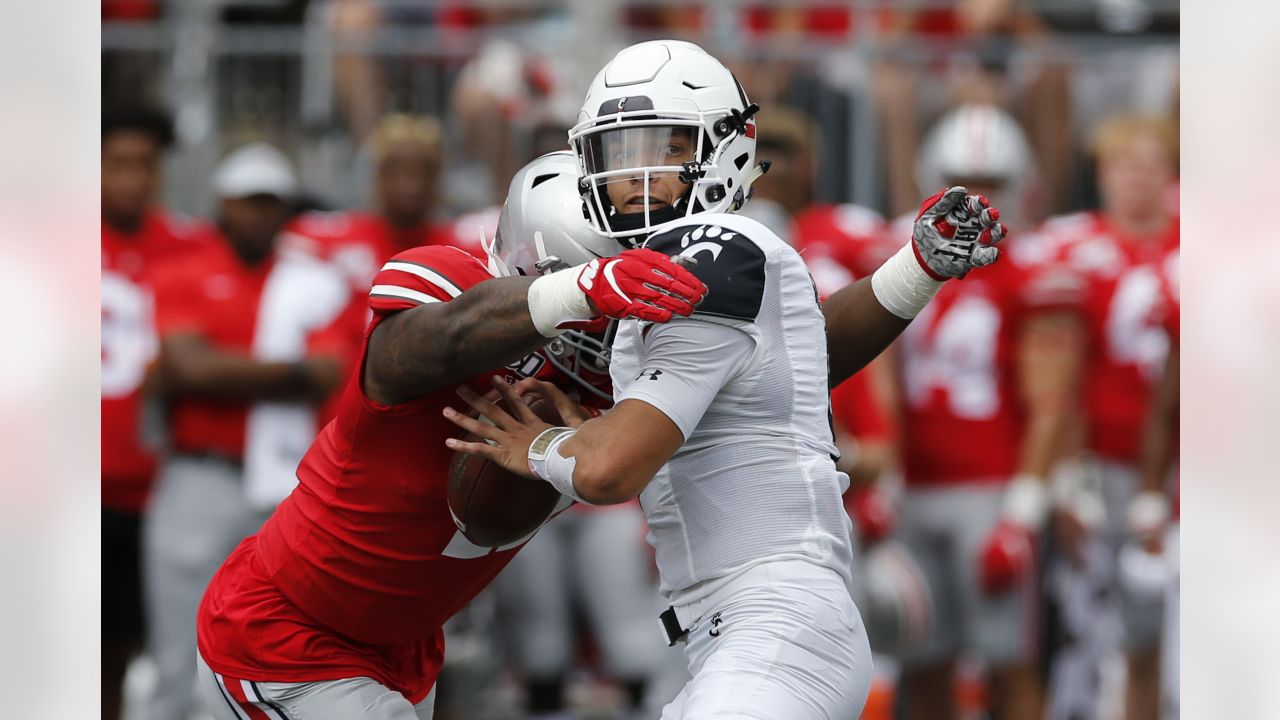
(421, 350)
(418, 351)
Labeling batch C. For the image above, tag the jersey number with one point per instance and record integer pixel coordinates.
(1133, 337)
(958, 357)
(128, 339)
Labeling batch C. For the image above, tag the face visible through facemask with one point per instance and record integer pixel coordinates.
(637, 148)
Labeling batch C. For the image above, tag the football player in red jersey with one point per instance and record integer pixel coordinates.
(407, 153)
(984, 360)
(1118, 250)
(335, 608)
(252, 339)
(136, 234)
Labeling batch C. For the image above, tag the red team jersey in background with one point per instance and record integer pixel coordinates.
(359, 242)
(358, 569)
(852, 236)
(962, 416)
(1126, 341)
(129, 263)
(213, 294)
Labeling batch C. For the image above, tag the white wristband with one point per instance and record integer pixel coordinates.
(902, 286)
(556, 298)
(1026, 501)
(546, 462)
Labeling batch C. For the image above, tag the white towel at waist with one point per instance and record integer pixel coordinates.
(302, 295)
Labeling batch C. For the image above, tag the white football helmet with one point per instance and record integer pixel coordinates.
(541, 230)
(896, 603)
(979, 143)
(649, 95)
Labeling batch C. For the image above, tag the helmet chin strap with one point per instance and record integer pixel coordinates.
(635, 221)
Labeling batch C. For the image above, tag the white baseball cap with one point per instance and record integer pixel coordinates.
(255, 169)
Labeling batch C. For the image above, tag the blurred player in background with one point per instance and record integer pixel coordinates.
(591, 559)
(252, 339)
(988, 375)
(1119, 250)
(407, 153)
(1148, 564)
(719, 424)
(136, 236)
(335, 608)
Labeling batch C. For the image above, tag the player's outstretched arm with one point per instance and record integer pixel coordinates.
(954, 233)
(439, 344)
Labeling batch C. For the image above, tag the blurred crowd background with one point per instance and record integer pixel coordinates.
(349, 129)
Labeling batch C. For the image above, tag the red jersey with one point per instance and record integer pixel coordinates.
(359, 243)
(962, 417)
(1170, 297)
(213, 294)
(129, 346)
(1126, 343)
(835, 238)
(357, 570)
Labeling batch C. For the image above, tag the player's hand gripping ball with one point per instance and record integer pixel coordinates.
(491, 505)
(956, 232)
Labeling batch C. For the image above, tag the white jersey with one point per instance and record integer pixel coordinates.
(745, 379)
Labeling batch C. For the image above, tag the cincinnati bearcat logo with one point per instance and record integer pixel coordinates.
(715, 625)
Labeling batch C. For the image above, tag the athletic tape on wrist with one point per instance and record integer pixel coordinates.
(555, 299)
(902, 286)
(546, 462)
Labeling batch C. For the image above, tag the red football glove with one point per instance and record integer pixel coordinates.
(873, 514)
(1007, 556)
(643, 284)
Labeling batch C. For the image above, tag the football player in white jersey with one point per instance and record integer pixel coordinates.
(720, 425)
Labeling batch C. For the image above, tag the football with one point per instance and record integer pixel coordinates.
(492, 506)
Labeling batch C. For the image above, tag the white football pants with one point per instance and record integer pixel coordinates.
(782, 640)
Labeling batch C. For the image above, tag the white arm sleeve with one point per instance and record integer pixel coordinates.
(684, 364)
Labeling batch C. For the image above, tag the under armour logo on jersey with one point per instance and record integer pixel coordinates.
(715, 625)
(651, 374)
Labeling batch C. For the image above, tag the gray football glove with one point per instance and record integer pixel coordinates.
(956, 232)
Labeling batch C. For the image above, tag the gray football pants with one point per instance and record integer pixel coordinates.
(196, 517)
(358, 698)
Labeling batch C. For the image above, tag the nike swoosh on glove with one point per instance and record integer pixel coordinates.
(642, 284)
(956, 232)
